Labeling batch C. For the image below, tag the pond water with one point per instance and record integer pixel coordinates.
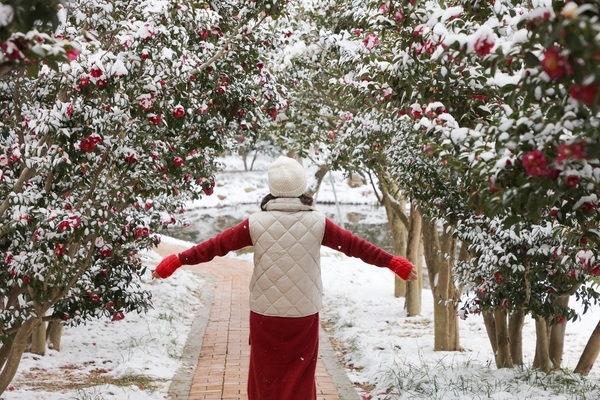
(366, 221)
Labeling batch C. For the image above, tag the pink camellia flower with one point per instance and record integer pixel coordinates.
(535, 163)
(572, 181)
(203, 109)
(4, 160)
(554, 64)
(147, 31)
(484, 45)
(371, 41)
(399, 16)
(418, 31)
(72, 54)
(178, 111)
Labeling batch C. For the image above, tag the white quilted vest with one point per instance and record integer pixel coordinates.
(287, 238)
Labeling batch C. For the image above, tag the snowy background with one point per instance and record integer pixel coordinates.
(137, 357)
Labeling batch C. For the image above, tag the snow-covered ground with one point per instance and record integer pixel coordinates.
(140, 354)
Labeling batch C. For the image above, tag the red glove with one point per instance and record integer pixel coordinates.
(401, 267)
(167, 266)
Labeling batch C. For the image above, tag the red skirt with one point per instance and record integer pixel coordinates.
(283, 357)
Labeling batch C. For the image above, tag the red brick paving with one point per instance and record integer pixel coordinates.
(222, 367)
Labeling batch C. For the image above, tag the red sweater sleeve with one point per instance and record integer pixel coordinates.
(231, 239)
(345, 241)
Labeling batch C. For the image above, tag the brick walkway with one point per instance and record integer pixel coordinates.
(217, 351)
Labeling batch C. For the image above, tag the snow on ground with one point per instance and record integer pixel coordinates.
(140, 354)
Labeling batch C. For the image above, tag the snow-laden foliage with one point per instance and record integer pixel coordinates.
(25, 38)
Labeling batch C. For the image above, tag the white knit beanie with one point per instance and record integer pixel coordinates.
(286, 178)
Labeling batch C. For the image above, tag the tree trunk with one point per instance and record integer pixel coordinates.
(9, 367)
(440, 250)
(542, 355)
(399, 232)
(557, 337)
(503, 356)
(413, 254)
(590, 353)
(490, 328)
(516, 320)
(38, 339)
(54, 334)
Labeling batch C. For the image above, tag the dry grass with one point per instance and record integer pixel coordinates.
(75, 377)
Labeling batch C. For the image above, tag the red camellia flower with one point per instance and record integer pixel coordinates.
(483, 46)
(11, 50)
(118, 316)
(554, 64)
(154, 119)
(101, 83)
(131, 158)
(87, 145)
(178, 161)
(146, 102)
(534, 163)
(584, 93)
(568, 151)
(572, 181)
(588, 206)
(96, 72)
(84, 80)
(273, 112)
(59, 249)
(498, 277)
(178, 111)
(64, 225)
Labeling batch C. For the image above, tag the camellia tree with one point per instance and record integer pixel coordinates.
(496, 141)
(538, 158)
(97, 156)
(430, 73)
